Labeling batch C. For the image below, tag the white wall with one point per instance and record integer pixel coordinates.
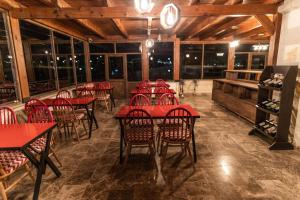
(289, 53)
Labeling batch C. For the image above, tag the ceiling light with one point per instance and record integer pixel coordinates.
(169, 16)
(234, 43)
(149, 43)
(187, 55)
(143, 6)
(234, 27)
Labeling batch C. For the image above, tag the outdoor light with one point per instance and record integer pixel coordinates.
(143, 6)
(187, 55)
(234, 43)
(169, 16)
(260, 47)
(149, 43)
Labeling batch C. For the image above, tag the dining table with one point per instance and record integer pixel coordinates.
(83, 102)
(151, 92)
(156, 112)
(18, 137)
(154, 85)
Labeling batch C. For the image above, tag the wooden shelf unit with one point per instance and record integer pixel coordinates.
(237, 96)
(286, 94)
(244, 75)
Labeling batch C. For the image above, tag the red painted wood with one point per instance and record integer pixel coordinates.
(74, 101)
(136, 91)
(15, 136)
(156, 111)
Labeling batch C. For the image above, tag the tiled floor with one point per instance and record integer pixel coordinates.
(231, 165)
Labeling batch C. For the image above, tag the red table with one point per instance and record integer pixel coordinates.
(136, 91)
(157, 85)
(80, 102)
(156, 112)
(18, 137)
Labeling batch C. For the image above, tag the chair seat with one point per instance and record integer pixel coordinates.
(39, 144)
(12, 160)
(139, 135)
(72, 117)
(103, 97)
(173, 137)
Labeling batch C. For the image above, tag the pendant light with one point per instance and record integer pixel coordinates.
(149, 43)
(143, 6)
(169, 16)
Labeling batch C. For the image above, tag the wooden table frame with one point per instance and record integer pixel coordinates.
(122, 115)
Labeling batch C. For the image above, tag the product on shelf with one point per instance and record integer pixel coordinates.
(269, 127)
(275, 81)
(270, 105)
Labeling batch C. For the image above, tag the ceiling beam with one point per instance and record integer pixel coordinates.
(266, 23)
(251, 32)
(130, 12)
(118, 22)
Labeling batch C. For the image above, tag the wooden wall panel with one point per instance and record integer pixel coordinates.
(145, 62)
(87, 61)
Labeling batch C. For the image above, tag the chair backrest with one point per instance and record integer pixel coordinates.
(178, 124)
(143, 84)
(7, 116)
(63, 109)
(159, 91)
(86, 93)
(167, 99)
(145, 91)
(105, 84)
(33, 103)
(139, 100)
(89, 85)
(40, 114)
(100, 89)
(140, 125)
(64, 94)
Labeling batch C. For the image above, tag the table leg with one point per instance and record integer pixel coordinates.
(121, 140)
(194, 143)
(92, 118)
(112, 99)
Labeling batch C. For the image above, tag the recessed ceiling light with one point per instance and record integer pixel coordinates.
(261, 34)
(234, 27)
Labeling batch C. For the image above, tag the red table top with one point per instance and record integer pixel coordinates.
(16, 136)
(156, 111)
(158, 85)
(135, 91)
(73, 101)
(94, 88)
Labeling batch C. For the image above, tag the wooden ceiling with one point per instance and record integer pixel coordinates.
(117, 19)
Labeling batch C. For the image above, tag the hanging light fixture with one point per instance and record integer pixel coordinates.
(149, 43)
(169, 16)
(234, 43)
(143, 6)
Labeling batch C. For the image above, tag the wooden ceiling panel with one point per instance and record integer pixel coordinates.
(30, 2)
(81, 3)
(107, 26)
(135, 26)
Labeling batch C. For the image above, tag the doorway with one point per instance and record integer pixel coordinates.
(117, 74)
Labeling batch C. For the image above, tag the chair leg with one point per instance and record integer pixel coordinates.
(82, 121)
(164, 153)
(128, 150)
(187, 146)
(153, 151)
(29, 172)
(106, 104)
(76, 132)
(55, 156)
(2, 191)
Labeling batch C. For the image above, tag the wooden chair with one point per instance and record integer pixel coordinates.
(145, 91)
(176, 130)
(42, 114)
(31, 104)
(159, 91)
(139, 132)
(102, 95)
(64, 94)
(140, 100)
(66, 117)
(167, 99)
(11, 161)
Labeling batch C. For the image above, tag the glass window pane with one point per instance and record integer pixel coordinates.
(128, 47)
(79, 61)
(116, 67)
(161, 61)
(38, 57)
(63, 59)
(215, 60)
(134, 67)
(258, 61)
(7, 84)
(241, 61)
(97, 63)
(102, 48)
(191, 61)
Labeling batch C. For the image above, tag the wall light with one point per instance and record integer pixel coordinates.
(169, 16)
(149, 43)
(234, 43)
(143, 6)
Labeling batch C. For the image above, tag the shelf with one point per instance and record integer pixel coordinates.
(245, 71)
(267, 111)
(269, 87)
(263, 133)
(239, 83)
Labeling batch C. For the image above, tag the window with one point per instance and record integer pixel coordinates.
(128, 47)
(63, 59)
(102, 48)
(7, 83)
(97, 63)
(241, 61)
(161, 61)
(116, 67)
(38, 57)
(79, 61)
(134, 67)
(191, 61)
(215, 60)
(258, 61)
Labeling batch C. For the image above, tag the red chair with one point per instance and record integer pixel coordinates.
(159, 91)
(11, 161)
(167, 99)
(140, 100)
(145, 91)
(139, 131)
(42, 114)
(66, 117)
(143, 84)
(31, 104)
(176, 130)
(86, 93)
(7, 116)
(102, 95)
(64, 94)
